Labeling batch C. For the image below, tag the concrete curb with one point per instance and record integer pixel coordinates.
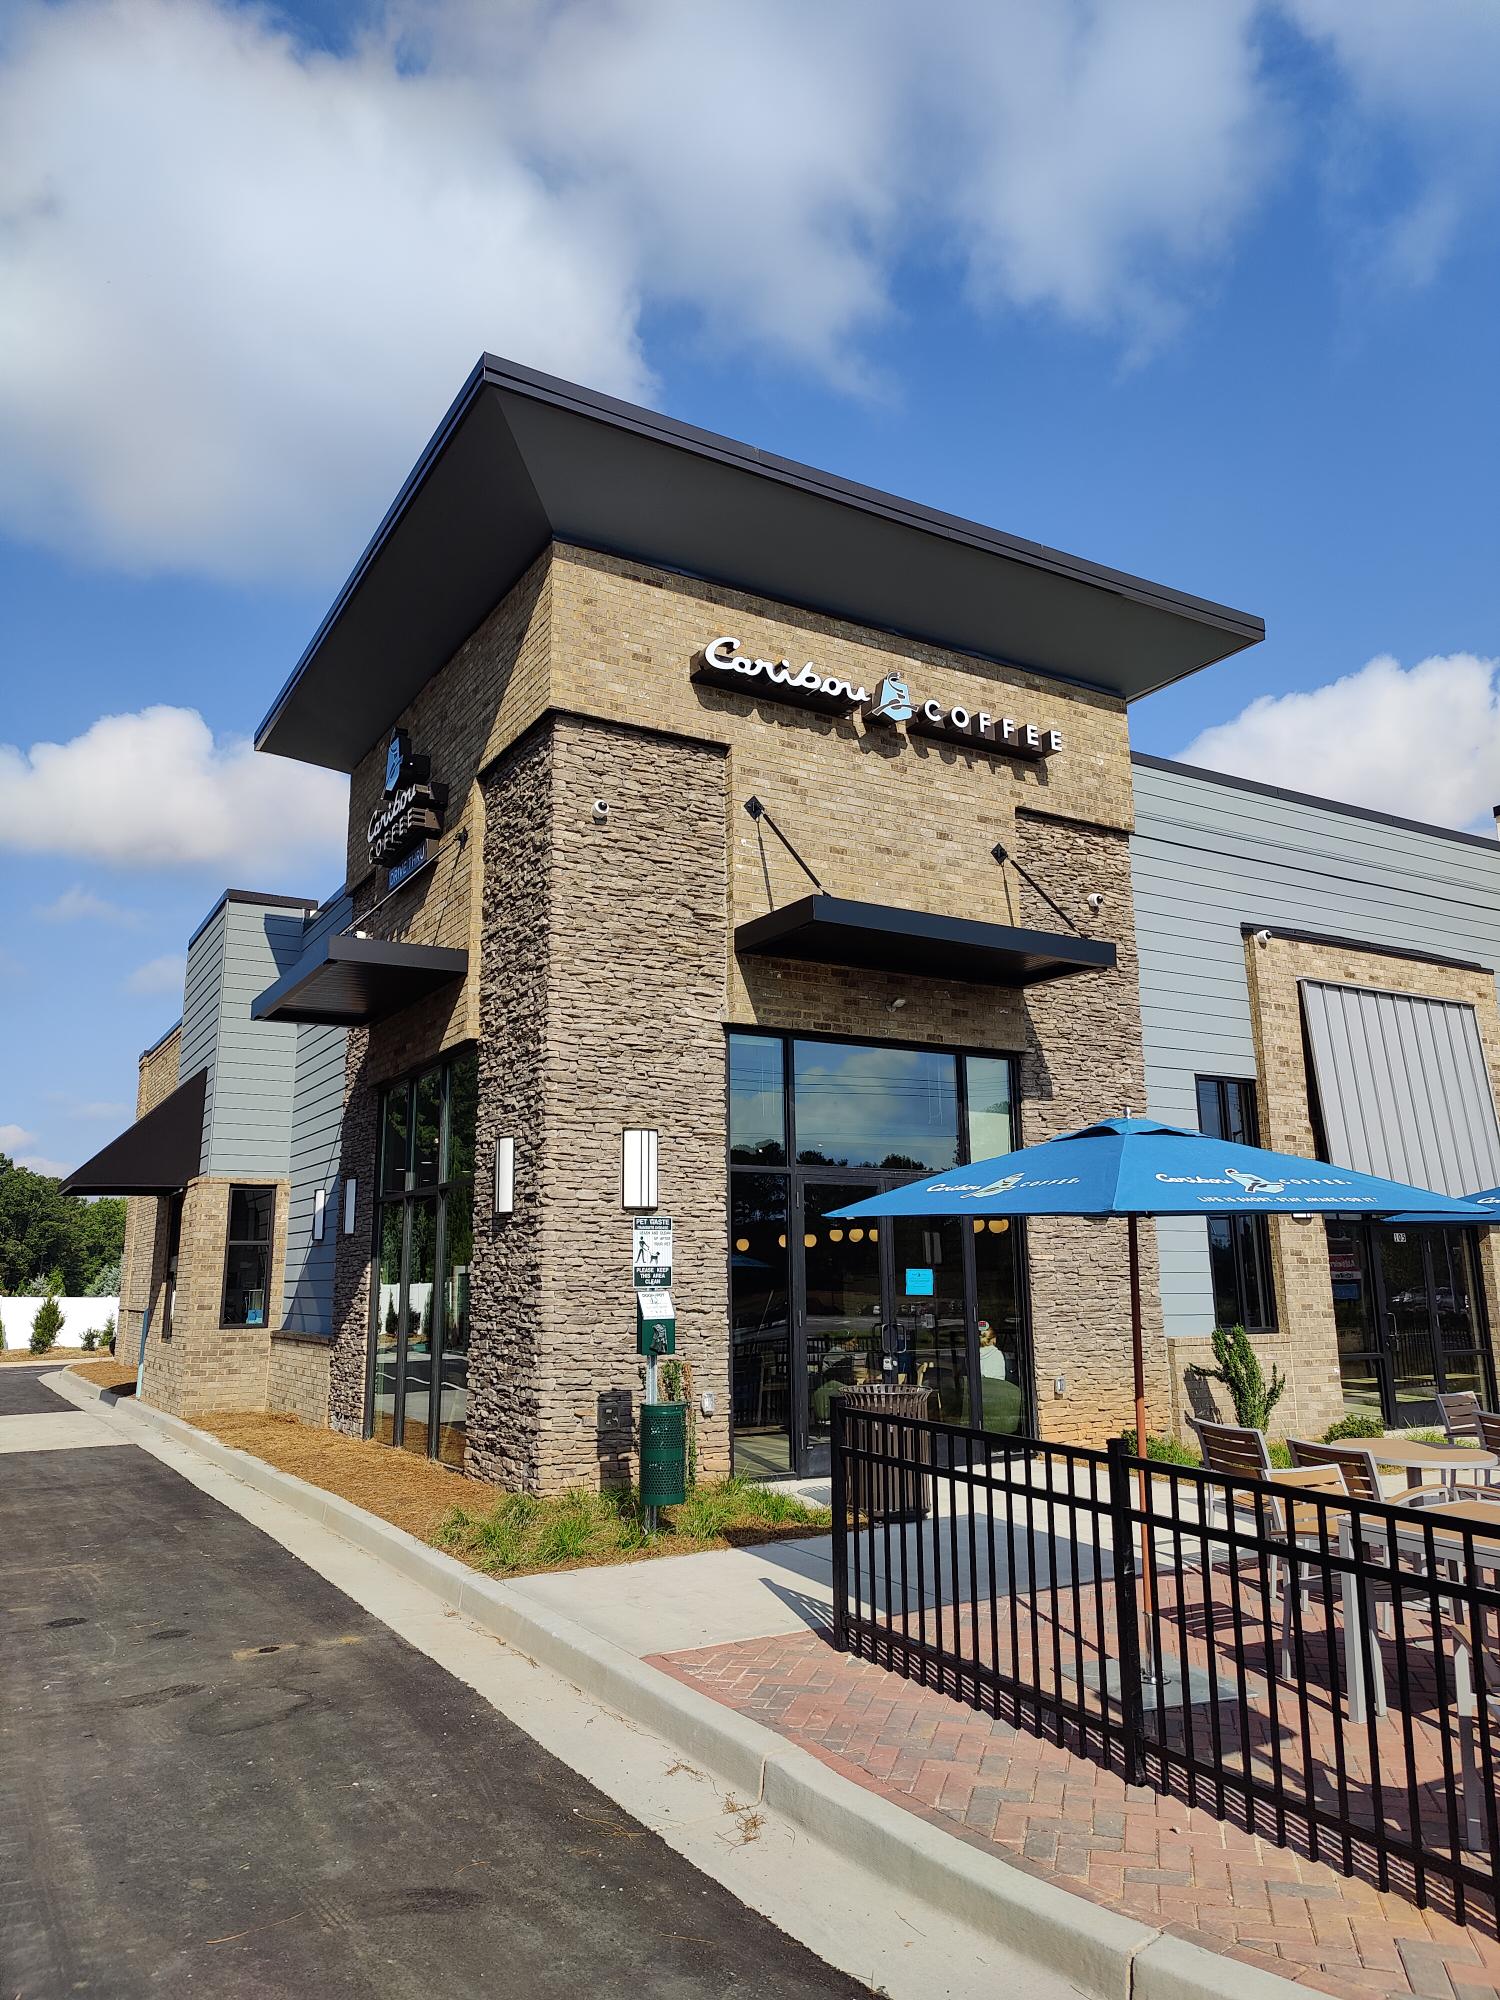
(1107, 1956)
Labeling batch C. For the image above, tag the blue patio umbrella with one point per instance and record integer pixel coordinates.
(1139, 1166)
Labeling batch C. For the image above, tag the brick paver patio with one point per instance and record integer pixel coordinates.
(1077, 1822)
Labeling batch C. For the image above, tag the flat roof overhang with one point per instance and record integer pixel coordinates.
(158, 1154)
(833, 931)
(524, 459)
(348, 981)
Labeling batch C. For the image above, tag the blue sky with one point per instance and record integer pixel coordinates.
(1204, 293)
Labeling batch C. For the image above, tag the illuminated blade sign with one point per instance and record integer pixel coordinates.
(722, 664)
(411, 811)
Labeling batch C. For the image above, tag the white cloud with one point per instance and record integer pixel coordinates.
(38, 1163)
(14, 1137)
(153, 789)
(1368, 739)
(240, 277)
(1427, 77)
(158, 975)
(79, 905)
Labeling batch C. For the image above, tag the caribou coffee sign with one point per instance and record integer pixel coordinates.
(409, 813)
(893, 704)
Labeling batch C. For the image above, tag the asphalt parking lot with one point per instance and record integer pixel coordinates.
(218, 1775)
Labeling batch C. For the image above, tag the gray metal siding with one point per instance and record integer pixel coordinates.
(1402, 1087)
(316, 1130)
(1207, 858)
(255, 1061)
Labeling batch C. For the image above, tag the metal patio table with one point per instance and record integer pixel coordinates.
(1414, 1459)
(1478, 1514)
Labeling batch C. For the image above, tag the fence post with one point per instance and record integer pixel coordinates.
(1127, 1629)
(840, 1527)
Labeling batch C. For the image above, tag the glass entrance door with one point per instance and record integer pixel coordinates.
(1409, 1318)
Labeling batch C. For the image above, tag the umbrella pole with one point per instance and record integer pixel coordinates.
(1138, 1356)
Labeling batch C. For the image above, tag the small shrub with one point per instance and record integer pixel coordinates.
(107, 1336)
(2, 1336)
(1240, 1371)
(1355, 1425)
(1164, 1450)
(90, 1341)
(46, 1326)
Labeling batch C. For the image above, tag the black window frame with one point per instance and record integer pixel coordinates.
(1235, 1116)
(263, 1244)
(793, 1173)
(454, 1177)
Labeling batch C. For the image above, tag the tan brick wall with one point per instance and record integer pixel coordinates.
(1304, 1292)
(602, 970)
(201, 1364)
(145, 1215)
(297, 1376)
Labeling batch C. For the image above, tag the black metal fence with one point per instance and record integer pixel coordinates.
(1320, 1671)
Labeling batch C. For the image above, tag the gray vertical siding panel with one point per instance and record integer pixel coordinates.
(1207, 858)
(1403, 1087)
(316, 1125)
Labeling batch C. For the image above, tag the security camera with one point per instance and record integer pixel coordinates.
(1096, 902)
(601, 811)
(1262, 938)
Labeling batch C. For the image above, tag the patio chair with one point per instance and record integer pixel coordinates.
(1466, 1700)
(1487, 1424)
(1235, 1452)
(1462, 1423)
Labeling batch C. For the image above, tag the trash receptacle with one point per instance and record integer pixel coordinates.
(900, 1488)
(663, 1454)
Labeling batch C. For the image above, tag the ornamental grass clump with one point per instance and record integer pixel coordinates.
(1240, 1371)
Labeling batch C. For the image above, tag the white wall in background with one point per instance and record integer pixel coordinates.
(79, 1315)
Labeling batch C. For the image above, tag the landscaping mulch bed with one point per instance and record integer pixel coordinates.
(410, 1492)
(507, 1534)
(108, 1373)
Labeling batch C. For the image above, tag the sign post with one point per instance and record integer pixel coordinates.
(655, 1336)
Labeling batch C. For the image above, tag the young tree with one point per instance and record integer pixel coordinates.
(46, 1326)
(1240, 1371)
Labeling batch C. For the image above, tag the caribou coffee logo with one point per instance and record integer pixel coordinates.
(411, 810)
(721, 664)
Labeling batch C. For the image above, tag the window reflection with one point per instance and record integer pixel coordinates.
(990, 1128)
(757, 1107)
(760, 1325)
(854, 1106)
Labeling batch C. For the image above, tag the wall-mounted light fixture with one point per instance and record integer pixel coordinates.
(505, 1176)
(637, 1169)
(351, 1195)
(320, 1204)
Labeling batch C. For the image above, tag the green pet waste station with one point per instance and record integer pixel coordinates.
(663, 1454)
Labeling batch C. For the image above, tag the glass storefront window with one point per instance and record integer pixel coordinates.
(1002, 1331)
(760, 1325)
(393, 1136)
(1239, 1246)
(988, 1079)
(757, 1106)
(247, 1256)
(857, 1106)
(419, 1370)
(841, 1275)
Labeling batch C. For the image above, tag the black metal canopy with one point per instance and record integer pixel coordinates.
(348, 981)
(834, 931)
(522, 459)
(158, 1154)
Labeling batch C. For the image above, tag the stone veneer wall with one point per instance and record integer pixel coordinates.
(1299, 1251)
(1083, 1061)
(602, 972)
(144, 1250)
(298, 1374)
(202, 1364)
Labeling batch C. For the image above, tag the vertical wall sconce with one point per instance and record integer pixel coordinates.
(351, 1192)
(505, 1176)
(637, 1169)
(320, 1203)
